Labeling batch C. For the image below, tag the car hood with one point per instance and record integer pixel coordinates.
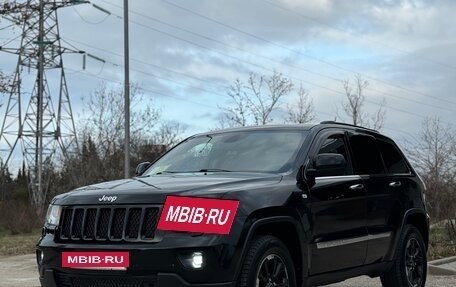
(154, 189)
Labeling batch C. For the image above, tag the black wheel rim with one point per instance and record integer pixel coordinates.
(414, 263)
(272, 272)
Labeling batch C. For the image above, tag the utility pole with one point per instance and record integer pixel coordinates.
(127, 91)
(40, 131)
(40, 109)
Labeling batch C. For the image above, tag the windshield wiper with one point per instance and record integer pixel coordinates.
(213, 170)
(192, 171)
(167, 171)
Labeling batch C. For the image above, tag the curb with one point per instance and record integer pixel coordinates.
(435, 268)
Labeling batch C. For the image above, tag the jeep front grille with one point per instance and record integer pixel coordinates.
(102, 223)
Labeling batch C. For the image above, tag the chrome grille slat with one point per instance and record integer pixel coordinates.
(102, 223)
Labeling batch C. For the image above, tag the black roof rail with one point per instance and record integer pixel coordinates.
(350, 125)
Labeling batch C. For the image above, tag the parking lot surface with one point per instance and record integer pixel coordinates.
(20, 271)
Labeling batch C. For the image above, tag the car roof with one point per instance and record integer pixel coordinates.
(261, 128)
(302, 127)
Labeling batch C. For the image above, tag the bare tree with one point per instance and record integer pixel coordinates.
(303, 111)
(3, 82)
(3, 85)
(354, 105)
(266, 99)
(103, 132)
(104, 117)
(169, 134)
(237, 114)
(255, 101)
(434, 156)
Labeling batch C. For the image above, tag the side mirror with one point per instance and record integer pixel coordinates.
(310, 175)
(141, 168)
(330, 164)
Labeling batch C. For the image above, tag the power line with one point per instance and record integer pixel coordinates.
(307, 82)
(156, 92)
(90, 75)
(322, 87)
(303, 54)
(90, 22)
(276, 61)
(65, 40)
(10, 40)
(356, 35)
(7, 27)
(142, 62)
(158, 76)
(258, 66)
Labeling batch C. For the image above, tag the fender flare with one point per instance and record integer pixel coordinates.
(274, 219)
(392, 251)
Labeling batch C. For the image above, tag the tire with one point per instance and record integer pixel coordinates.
(265, 253)
(410, 263)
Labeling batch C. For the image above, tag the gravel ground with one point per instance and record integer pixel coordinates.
(20, 271)
(432, 281)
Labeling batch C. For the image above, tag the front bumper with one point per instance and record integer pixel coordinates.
(151, 265)
(53, 278)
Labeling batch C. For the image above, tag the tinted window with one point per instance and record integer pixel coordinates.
(393, 159)
(334, 144)
(249, 151)
(366, 156)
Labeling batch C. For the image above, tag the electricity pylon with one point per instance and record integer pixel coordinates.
(42, 133)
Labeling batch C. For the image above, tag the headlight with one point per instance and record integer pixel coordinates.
(53, 216)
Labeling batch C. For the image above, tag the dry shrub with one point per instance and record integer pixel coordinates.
(18, 217)
(451, 229)
(440, 244)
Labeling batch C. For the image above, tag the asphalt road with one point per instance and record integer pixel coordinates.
(20, 271)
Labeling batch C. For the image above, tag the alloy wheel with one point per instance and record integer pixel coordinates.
(272, 272)
(414, 263)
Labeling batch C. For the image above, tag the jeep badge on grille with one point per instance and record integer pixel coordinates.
(105, 198)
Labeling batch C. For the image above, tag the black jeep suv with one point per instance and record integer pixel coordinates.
(266, 206)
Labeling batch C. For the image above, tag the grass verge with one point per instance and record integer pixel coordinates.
(18, 244)
(440, 244)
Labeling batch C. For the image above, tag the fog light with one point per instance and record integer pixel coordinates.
(197, 260)
(192, 260)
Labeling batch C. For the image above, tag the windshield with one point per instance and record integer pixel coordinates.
(249, 151)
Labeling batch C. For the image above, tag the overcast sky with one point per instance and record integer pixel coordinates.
(185, 54)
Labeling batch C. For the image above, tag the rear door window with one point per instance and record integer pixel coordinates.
(393, 159)
(366, 156)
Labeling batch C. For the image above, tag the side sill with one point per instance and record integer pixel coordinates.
(372, 270)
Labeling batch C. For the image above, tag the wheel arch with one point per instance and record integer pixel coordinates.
(420, 221)
(283, 224)
(416, 217)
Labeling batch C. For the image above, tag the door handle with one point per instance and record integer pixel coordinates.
(357, 186)
(395, 184)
